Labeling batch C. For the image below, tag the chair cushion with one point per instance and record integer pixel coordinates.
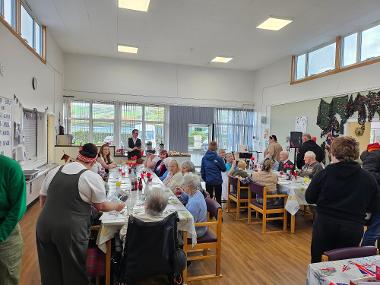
(270, 206)
(350, 252)
(208, 237)
(243, 194)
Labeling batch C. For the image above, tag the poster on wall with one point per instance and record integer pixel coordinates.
(6, 126)
(301, 124)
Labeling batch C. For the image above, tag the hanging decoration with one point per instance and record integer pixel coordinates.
(344, 107)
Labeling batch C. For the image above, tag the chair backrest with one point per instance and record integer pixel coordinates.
(256, 189)
(350, 252)
(212, 207)
(149, 248)
(232, 181)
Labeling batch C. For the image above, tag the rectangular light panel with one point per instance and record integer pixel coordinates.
(127, 49)
(221, 59)
(136, 5)
(274, 24)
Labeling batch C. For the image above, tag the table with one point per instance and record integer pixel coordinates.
(341, 271)
(113, 222)
(296, 197)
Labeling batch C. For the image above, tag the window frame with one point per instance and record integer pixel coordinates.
(339, 67)
(117, 120)
(16, 28)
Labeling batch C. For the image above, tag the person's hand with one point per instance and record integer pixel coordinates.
(120, 206)
(113, 165)
(178, 191)
(135, 148)
(234, 162)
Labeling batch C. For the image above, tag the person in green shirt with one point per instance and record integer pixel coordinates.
(12, 209)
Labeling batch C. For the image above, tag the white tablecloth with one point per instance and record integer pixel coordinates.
(340, 272)
(296, 194)
(113, 222)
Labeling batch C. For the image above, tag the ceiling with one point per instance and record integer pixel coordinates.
(195, 31)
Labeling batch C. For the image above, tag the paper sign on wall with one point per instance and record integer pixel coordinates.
(6, 126)
(301, 124)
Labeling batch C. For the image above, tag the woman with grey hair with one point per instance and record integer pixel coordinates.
(155, 204)
(194, 201)
(187, 166)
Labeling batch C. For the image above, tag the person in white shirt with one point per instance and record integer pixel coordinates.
(63, 226)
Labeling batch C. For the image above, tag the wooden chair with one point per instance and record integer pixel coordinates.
(265, 208)
(211, 241)
(240, 196)
(349, 252)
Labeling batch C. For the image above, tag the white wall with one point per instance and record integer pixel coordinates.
(20, 66)
(272, 87)
(92, 77)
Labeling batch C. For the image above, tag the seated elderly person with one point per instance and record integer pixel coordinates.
(155, 204)
(194, 201)
(165, 165)
(285, 164)
(312, 166)
(264, 177)
(188, 167)
(159, 168)
(241, 170)
(174, 177)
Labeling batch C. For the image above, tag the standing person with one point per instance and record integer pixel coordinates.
(273, 150)
(309, 145)
(211, 170)
(343, 192)
(12, 209)
(134, 145)
(63, 226)
(371, 163)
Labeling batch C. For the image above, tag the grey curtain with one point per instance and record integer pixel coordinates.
(180, 118)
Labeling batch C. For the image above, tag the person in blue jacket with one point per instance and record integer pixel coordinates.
(211, 169)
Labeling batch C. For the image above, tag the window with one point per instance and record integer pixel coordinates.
(370, 43)
(321, 60)
(79, 122)
(234, 128)
(354, 50)
(154, 127)
(8, 10)
(25, 27)
(301, 66)
(350, 49)
(113, 123)
(103, 116)
(38, 38)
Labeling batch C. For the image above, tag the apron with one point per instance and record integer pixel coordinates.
(63, 232)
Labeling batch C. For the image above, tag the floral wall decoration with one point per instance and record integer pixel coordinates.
(332, 116)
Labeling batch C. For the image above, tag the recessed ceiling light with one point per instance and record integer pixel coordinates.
(136, 5)
(221, 59)
(122, 48)
(274, 24)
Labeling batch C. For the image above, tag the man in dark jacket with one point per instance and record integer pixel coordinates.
(211, 169)
(309, 145)
(371, 163)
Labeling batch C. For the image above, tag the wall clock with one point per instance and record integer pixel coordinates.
(34, 83)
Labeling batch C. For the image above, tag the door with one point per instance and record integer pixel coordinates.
(199, 136)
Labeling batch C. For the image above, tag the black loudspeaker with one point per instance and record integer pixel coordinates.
(295, 139)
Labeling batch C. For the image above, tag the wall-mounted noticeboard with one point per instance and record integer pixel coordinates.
(6, 126)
